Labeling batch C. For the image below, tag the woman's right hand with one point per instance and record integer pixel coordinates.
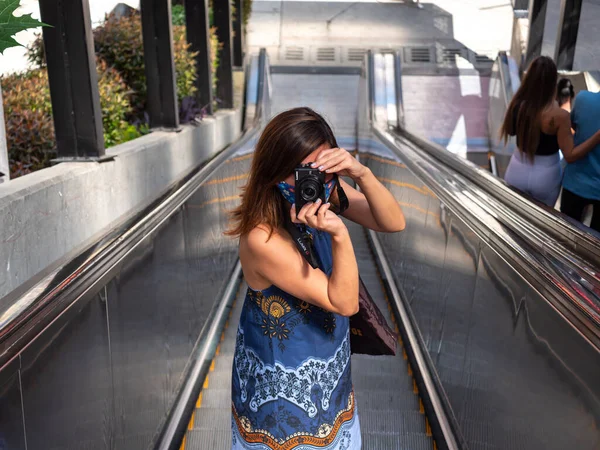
(319, 217)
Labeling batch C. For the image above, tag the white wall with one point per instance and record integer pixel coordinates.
(14, 59)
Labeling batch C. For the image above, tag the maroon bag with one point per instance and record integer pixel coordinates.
(369, 331)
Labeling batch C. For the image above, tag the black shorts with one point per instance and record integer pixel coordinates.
(573, 206)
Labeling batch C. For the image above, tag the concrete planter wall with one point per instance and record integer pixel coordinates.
(57, 211)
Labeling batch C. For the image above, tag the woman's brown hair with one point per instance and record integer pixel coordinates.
(286, 140)
(536, 93)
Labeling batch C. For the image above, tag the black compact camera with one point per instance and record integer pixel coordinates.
(310, 185)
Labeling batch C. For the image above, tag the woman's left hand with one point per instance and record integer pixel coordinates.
(340, 161)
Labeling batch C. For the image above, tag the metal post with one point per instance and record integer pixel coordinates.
(398, 89)
(537, 19)
(566, 39)
(198, 36)
(238, 31)
(4, 165)
(157, 33)
(222, 20)
(73, 79)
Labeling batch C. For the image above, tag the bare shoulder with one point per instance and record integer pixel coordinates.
(561, 116)
(260, 240)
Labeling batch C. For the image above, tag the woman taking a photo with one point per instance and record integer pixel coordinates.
(542, 128)
(291, 383)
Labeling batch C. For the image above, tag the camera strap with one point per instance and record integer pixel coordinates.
(302, 241)
(342, 197)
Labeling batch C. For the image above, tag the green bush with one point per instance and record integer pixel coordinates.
(118, 41)
(247, 10)
(178, 15)
(178, 19)
(28, 112)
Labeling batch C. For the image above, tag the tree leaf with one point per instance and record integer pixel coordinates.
(11, 25)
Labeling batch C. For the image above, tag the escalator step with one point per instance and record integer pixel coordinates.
(209, 439)
(216, 398)
(213, 418)
(219, 380)
(397, 400)
(380, 382)
(401, 422)
(381, 364)
(224, 362)
(227, 347)
(393, 441)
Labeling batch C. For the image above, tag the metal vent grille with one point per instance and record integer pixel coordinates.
(356, 54)
(294, 54)
(450, 54)
(326, 54)
(419, 55)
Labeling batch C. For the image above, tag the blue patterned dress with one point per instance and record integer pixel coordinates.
(291, 384)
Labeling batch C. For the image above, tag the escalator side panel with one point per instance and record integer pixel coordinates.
(493, 340)
(12, 431)
(104, 374)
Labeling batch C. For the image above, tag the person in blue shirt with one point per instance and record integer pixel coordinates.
(581, 182)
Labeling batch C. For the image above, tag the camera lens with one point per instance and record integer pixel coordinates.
(309, 190)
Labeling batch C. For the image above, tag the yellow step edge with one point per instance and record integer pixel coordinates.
(409, 369)
(415, 387)
(182, 444)
(427, 428)
(191, 424)
(218, 350)
(212, 366)
(421, 406)
(205, 385)
(199, 401)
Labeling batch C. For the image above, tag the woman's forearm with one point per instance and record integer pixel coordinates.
(383, 205)
(342, 289)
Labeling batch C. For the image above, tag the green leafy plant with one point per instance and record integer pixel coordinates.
(11, 24)
(28, 110)
(119, 42)
(178, 15)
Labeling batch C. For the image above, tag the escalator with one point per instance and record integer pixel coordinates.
(499, 322)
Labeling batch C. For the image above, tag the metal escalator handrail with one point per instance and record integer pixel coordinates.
(31, 311)
(543, 262)
(581, 241)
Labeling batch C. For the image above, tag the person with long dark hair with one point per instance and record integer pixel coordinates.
(291, 383)
(565, 93)
(541, 128)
